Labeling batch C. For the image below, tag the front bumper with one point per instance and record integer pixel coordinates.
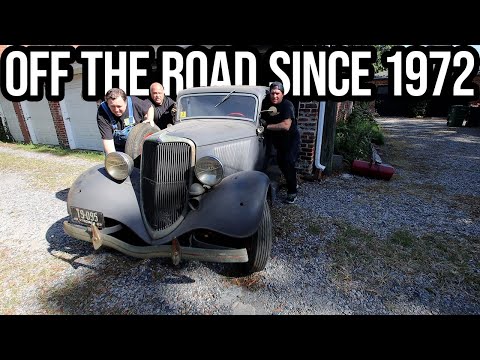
(176, 252)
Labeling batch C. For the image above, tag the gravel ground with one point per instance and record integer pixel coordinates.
(349, 245)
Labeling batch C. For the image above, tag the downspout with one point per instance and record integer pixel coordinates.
(318, 147)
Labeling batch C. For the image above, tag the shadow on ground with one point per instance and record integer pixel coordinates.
(115, 283)
(64, 247)
(62, 194)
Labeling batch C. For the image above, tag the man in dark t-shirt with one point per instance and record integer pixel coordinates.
(164, 107)
(115, 115)
(281, 130)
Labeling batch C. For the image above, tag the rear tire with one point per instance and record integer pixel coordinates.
(259, 245)
(137, 136)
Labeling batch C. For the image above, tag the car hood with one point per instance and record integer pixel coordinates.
(210, 131)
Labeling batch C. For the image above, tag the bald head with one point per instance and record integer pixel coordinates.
(157, 93)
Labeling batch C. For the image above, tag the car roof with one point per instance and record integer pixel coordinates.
(259, 91)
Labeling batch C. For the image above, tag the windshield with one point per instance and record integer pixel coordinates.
(218, 105)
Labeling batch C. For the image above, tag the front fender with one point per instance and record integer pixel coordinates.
(119, 200)
(234, 207)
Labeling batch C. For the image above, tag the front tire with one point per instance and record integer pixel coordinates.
(259, 245)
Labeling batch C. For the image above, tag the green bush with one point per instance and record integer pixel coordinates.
(355, 134)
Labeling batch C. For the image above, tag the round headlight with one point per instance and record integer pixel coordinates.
(119, 165)
(209, 170)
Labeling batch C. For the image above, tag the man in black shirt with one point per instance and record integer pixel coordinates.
(116, 115)
(281, 129)
(164, 107)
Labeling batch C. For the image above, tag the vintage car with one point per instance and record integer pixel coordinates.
(195, 190)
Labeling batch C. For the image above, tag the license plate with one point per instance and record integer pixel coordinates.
(88, 217)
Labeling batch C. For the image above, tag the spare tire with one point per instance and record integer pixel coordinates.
(137, 136)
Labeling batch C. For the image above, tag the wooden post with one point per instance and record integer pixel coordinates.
(329, 127)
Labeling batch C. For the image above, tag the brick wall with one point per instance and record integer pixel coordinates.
(308, 113)
(59, 124)
(307, 126)
(21, 122)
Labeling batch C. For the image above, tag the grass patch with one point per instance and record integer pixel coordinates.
(468, 203)
(403, 238)
(397, 152)
(251, 282)
(21, 280)
(288, 221)
(437, 263)
(76, 292)
(42, 173)
(314, 229)
(426, 191)
(59, 151)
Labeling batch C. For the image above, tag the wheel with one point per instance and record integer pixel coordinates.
(236, 114)
(137, 136)
(259, 245)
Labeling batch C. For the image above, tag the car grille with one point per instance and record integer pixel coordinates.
(166, 177)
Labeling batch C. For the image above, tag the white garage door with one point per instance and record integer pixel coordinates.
(7, 112)
(39, 120)
(82, 116)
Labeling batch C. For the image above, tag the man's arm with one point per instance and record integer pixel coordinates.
(174, 108)
(149, 115)
(281, 126)
(144, 109)
(287, 110)
(173, 111)
(108, 146)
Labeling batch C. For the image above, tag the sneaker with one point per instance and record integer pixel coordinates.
(291, 198)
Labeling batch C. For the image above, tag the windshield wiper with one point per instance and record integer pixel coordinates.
(225, 98)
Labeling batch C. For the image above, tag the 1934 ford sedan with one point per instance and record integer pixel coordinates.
(195, 190)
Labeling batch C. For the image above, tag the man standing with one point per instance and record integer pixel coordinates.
(164, 107)
(282, 130)
(116, 115)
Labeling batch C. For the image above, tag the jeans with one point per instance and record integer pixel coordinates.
(287, 155)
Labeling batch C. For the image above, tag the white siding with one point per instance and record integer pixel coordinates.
(82, 116)
(41, 121)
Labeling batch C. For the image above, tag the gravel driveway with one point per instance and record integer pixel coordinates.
(349, 245)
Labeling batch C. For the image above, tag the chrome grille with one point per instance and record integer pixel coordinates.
(165, 181)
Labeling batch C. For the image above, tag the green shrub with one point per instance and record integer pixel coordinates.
(355, 134)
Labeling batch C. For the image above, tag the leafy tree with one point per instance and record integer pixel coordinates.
(380, 50)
